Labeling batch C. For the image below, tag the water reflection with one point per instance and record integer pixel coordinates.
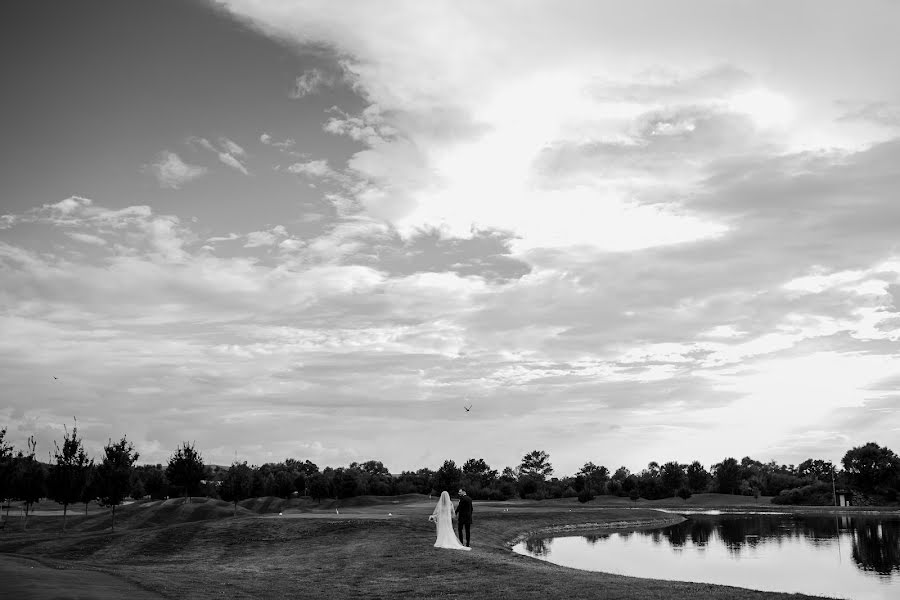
(876, 546)
(875, 542)
(827, 555)
(538, 546)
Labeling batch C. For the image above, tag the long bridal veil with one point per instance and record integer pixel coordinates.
(443, 517)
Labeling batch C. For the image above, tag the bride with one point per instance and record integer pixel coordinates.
(442, 516)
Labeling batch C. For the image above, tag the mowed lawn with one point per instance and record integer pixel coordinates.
(198, 550)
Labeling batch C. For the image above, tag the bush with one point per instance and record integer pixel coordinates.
(684, 493)
(816, 494)
(585, 495)
(499, 495)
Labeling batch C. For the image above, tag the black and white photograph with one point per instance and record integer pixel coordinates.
(482, 299)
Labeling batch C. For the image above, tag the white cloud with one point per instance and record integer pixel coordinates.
(312, 168)
(227, 153)
(224, 238)
(369, 127)
(686, 252)
(256, 239)
(268, 140)
(231, 161)
(453, 137)
(172, 172)
(231, 147)
(310, 82)
(87, 238)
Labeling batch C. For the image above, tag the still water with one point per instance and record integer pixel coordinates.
(841, 557)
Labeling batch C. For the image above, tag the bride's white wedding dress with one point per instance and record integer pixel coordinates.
(443, 517)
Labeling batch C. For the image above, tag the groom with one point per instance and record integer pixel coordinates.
(464, 515)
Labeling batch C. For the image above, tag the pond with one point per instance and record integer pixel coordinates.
(854, 557)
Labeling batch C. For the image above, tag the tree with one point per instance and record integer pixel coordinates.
(114, 474)
(615, 485)
(672, 477)
(29, 479)
(348, 482)
(727, 475)
(237, 484)
(68, 477)
(91, 489)
(595, 477)
(154, 479)
(815, 470)
(684, 493)
(509, 475)
(871, 467)
(284, 483)
(697, 477)
(378, 479)
(186, 469)
(318, 487)
(650, 484)
(479, 472)
(6, 470)
(585, 495)
(447, 478)
(536, 465)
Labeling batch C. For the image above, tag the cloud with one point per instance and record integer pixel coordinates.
(579, 216)
(232, 148)
(881, 113)
(510, 91)
(311, 82)
(255, 239)
(369, 127)
(358, 320)
(268, 140)
(87, 238)
(172, 172)
(227, 152)
(312, 168)
(234, 163)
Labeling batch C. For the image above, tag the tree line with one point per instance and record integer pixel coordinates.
(70, 478)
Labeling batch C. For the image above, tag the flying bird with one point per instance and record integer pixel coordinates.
(468, 408)
(55, 377)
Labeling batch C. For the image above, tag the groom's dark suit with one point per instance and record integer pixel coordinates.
(464, 517)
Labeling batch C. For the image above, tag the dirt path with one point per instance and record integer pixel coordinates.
(27, 579)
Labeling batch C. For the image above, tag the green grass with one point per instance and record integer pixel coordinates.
(198, 550)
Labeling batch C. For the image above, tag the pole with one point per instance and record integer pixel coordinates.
(833, 488)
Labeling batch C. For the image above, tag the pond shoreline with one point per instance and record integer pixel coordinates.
(581, 528)
(851, 554)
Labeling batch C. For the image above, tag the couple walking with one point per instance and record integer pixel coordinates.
(443, 517)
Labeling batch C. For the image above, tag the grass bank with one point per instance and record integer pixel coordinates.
(359, 552)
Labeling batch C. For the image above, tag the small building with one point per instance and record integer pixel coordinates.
(843, 497)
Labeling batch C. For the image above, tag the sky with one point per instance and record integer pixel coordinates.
(620, 232)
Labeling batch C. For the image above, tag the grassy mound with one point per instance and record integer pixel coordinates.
(136, 515)
(272, 504)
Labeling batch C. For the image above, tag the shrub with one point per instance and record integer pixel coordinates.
(585, 495)
(816, 494)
